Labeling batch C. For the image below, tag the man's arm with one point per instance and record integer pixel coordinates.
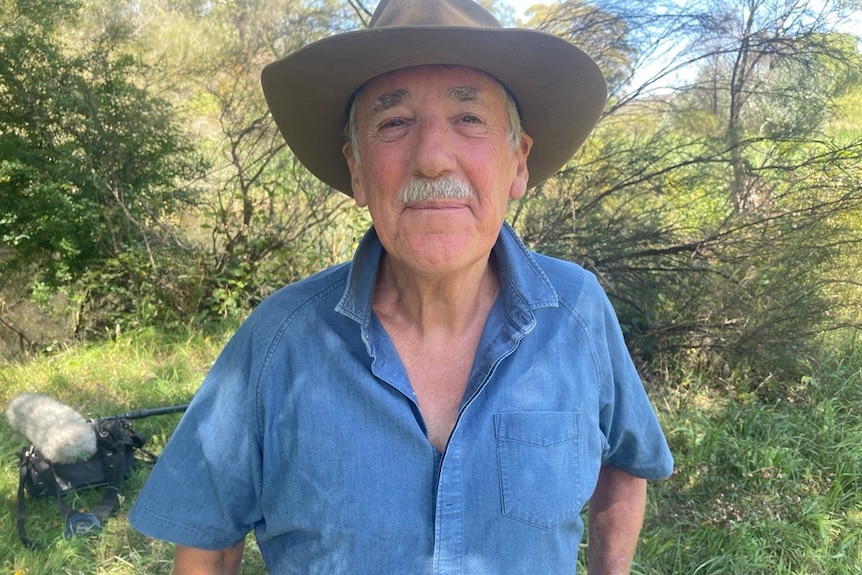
(615, 519)
(193, 561)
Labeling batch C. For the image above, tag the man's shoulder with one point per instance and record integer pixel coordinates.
(579, 291)
(571, 280)
(544, 278)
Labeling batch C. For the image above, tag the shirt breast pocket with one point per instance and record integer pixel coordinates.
(537, 460)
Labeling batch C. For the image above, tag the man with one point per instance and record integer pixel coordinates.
(448, 401)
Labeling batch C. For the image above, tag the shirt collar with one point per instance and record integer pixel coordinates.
(524, 283)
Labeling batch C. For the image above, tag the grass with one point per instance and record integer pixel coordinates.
(137, 372)
(763, 485)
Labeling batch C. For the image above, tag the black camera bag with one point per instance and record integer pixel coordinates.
(116, 443)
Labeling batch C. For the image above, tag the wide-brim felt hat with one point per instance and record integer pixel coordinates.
(559, 90)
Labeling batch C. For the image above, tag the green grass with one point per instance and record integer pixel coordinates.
(762, 485)
(136, 372)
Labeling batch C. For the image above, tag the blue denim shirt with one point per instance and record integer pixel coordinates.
(307, 431)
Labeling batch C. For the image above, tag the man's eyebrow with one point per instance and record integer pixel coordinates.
(463, 93)
(389, 100)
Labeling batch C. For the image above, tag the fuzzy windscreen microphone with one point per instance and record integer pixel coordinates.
(59, 432)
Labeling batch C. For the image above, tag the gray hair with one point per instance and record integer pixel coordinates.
(351, 129)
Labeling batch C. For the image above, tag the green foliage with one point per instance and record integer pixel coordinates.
(91, 162)
(761, 487)
(600, 32)
(262, 220)
(87, 155)
(721, 217)
(106, 200)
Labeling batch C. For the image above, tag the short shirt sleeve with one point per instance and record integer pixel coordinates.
(635, 441)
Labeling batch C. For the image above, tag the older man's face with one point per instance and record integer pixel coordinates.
(431, 124)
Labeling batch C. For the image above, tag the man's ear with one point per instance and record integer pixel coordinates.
(522, 173)
(359, 195)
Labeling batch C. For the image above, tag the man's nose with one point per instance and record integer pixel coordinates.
(432, 149)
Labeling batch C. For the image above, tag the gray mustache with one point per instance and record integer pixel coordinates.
(445, 188)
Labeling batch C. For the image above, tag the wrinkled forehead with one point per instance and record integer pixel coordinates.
(461, 83)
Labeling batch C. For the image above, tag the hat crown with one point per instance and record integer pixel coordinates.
(559, 90)
(432, 13)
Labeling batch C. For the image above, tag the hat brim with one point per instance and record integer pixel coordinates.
(560, 91)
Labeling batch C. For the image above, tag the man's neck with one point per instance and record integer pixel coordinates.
(448, 305)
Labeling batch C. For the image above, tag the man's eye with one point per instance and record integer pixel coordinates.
(470, 119)
(393, 123)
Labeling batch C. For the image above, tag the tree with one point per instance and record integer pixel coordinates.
(718, 210)
(91, 162)
(262, 220)
(605, 36)
(109, 193)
